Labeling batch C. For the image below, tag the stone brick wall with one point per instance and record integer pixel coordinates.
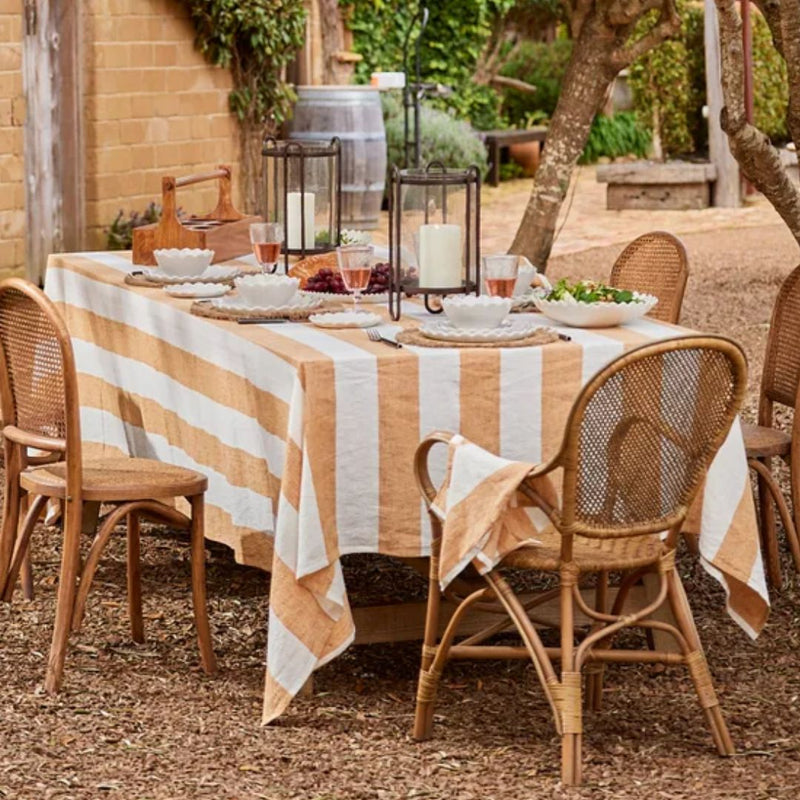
(12, 118)
(153, 106)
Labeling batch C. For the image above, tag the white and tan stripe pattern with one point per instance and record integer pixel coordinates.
(308, 438)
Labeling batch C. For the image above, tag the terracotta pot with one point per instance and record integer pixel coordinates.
(526, 154)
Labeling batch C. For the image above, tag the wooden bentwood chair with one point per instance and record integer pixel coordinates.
(636, 448)
(39, 395)
(655, 263)
(780, 382)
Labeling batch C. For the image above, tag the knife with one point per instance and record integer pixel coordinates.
(260, 321)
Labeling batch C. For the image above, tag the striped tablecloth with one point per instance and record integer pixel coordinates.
(307, 438)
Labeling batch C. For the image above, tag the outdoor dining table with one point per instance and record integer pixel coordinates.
(307, 437)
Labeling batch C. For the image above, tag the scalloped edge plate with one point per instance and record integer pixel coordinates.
(443, 331)
(216, 273)
(236, 304)
(383, 297)
(346, 319)
(196, 290)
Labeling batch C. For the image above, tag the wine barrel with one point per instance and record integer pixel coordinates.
(354, 114)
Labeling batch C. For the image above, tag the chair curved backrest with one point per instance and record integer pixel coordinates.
(655, 263)
(642, 433)
(781, 375)
(38, 384)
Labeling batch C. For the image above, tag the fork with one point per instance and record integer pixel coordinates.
(374, 335)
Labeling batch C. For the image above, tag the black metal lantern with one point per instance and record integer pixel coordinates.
(434, 233)
(303, 190)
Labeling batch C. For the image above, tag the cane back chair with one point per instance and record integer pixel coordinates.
(635, 451)
(780, 381)
(39, 395)
(655, 263)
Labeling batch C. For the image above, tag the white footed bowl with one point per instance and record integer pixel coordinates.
(594, 315)
(263, 291)
(469, 313)
(185, 262)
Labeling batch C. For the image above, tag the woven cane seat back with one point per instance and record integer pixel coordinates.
(643, 432)
(656, 264)
(34, 365)
(782, 362)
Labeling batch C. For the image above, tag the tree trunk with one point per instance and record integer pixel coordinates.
(758, 159)
(250, 136)
(586, 82)
(333, 44)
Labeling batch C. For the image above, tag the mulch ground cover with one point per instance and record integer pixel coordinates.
(135, 722)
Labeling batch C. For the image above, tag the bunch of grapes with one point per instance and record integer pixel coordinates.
(330, 281)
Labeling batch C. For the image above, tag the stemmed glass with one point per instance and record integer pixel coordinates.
(266, 238)
(355, 268)
(500, 274)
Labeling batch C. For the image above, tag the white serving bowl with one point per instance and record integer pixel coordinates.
(470, 313)
(186, 262)
(594, 315)
(263, 291)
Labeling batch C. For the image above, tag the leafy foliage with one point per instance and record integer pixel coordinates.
(661, 83)
(444, 138)
(119, 234)
(542, 64)
(457, 32)
(619, 135)
(770, 83)
(255, 39)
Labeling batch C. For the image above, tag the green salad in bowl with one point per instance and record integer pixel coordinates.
(591, 292)
(590, 304)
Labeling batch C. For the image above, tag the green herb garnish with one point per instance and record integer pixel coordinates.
(591, 292)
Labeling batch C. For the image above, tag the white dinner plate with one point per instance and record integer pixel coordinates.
(383, 297)
(197, 289)
(233, 303)
(444, 331)
(216, 273)
(346, 319)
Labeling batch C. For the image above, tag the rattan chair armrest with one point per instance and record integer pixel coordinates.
(34, 440)
(421, 472)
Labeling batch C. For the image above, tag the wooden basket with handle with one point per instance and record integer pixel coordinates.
(224, 230)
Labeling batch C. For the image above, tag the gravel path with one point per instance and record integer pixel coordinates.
(141, 722)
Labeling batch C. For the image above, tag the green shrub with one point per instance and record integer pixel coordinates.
(770, 83)
(455, 37)
(444, 138)
(616, 136)
(119, 234)
(542, 64)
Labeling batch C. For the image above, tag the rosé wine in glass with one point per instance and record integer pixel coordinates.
(266, 238)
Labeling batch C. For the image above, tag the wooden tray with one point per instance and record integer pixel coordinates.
(224, 230)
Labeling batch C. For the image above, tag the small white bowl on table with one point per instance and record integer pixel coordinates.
(267, 291)
(468, 312)
(183, 262)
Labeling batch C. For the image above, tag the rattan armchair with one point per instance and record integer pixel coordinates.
(655, 263)
(632, 465)
(39, 404)
(780, 382)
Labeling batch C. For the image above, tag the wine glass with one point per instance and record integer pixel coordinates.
(500, 274)
(355, 268)
(266, 238)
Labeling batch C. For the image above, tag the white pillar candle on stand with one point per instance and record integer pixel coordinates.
(294, 214)
(439, 256)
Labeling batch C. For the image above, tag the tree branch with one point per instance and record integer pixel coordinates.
(790, 40)
(758, 159)
(667, 26)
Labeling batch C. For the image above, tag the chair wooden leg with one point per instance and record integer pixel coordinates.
(423, 714)
(22, 548)
(134, 579)
(769, 535)
(27, 575)
(570, 691)
(199, 599)
(595, 672)
(11, 511)
(698, 668)
(70, 560)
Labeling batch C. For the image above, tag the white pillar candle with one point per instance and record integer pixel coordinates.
(293, 220)
(439, 256)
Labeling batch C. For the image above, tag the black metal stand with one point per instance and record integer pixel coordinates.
(413, 92)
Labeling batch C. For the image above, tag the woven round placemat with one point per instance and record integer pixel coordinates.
(414, 337)
(295, 315)
(144, 280)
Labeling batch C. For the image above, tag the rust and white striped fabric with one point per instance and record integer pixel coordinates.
(307, 437)
(482, 522)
